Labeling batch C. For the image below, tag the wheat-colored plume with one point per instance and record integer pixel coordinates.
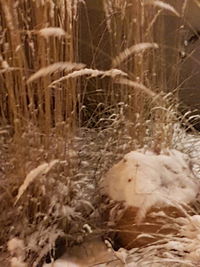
(162, 5)
(59, 66)
(42, 169)
(92, 73)
(135, 49)
(52, 31)
(136, 85)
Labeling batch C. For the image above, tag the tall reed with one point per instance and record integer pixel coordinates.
(35, 35)
(137, 30)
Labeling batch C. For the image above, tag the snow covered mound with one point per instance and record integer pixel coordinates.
(144, 180)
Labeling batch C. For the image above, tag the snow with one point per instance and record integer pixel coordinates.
(145, 179)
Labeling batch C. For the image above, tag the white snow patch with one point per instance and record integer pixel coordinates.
(143, 180)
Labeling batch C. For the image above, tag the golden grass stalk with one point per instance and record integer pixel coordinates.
(55, 67)
(92, 73)
(162, 5)
(41, 170)
(52, 31)
(137, 85)
(135, 49)
(197, 2)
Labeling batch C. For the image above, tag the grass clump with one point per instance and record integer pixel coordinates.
(64, 120)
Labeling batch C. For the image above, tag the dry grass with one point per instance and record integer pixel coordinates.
(52, 164)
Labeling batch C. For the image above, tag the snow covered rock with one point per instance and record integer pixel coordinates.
(154, 189)
(144, 180)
